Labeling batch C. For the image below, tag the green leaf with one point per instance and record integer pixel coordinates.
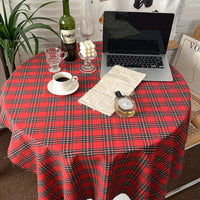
(23, 47)
(6, 51)
(40, 25)
(41, 38)
(27, 6)
(17, 7)
(13, 21)
(1, 43)
(15, 14)
(1, 19)
(23, 23)
(36, 44)
(43, 18)
(4, 31)
(4, 12)
(23, 35)
(2, 36)
(12, 57)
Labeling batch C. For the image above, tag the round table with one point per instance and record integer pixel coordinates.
(78, 153)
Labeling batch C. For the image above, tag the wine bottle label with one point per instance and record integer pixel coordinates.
(68, 36)
(125, 103)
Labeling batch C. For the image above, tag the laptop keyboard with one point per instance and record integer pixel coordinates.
(135, 61)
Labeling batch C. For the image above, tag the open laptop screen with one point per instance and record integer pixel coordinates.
(136, 32)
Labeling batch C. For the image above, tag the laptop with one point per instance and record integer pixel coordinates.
(138, 41)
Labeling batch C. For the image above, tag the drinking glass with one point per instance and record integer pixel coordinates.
(87, 28)
(54, 56)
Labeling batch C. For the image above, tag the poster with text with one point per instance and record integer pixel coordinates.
(187, 62)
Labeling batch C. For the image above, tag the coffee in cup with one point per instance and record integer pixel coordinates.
(62, 81)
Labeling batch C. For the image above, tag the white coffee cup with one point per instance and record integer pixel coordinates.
(62, 81)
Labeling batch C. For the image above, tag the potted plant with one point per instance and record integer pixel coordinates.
(16, 30)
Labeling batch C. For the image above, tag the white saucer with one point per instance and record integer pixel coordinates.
(74, 86)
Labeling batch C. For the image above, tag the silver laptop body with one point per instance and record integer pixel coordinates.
(137, 34)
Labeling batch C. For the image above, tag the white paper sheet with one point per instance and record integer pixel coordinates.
(101, 97)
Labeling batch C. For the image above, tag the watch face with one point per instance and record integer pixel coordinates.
(125, 103)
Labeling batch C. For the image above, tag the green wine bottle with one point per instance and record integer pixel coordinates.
(68, 33)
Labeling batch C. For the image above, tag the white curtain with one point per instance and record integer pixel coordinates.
(169, 6)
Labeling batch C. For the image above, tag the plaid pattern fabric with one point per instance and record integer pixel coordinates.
(79, 153)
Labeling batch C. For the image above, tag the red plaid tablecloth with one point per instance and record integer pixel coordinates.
(78, 153)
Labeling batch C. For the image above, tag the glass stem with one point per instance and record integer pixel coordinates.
(87, 62)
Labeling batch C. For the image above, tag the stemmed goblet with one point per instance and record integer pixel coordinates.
(87, 28)
(87, 67)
